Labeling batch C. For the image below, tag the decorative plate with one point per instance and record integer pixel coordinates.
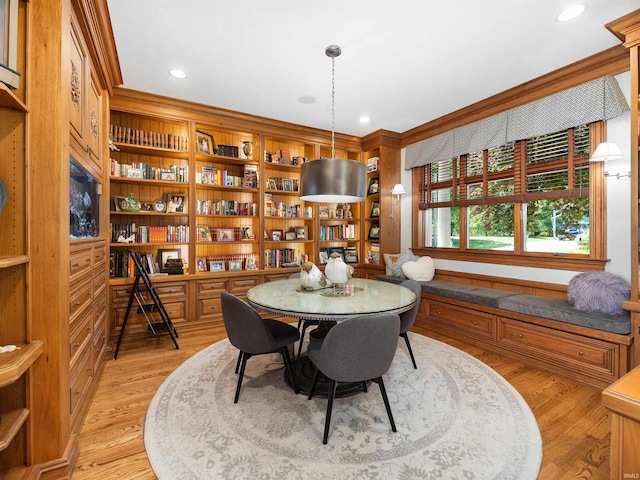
(159, 205)
(3, 195)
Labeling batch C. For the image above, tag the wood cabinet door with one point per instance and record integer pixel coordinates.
(77, 85)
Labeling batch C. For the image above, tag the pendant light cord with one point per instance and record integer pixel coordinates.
(333, 106)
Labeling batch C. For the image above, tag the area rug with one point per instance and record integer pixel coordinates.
(456, 419)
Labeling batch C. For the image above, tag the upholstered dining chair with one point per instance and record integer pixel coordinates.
(304, 323)
(408, 318)
(253, 335)
(356, 350)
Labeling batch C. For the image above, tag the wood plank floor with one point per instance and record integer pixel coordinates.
(575, 427)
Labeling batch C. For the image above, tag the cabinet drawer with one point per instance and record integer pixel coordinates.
(80, 337)
(211, 288)
(573, 351)
(99, 312)
(209, 308)
(80, 262)
(99, 281)
(120, 295)
(99, 255)
(137, 322)
(172, 289)
(81, 379)
(99, 347)
(462, 320)
(79, 297)
(240, 285)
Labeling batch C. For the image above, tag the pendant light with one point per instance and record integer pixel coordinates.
(332, 180)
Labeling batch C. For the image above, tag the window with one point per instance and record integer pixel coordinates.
(528, 197)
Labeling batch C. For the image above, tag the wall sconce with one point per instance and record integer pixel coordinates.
(608, 151)
(397, 190)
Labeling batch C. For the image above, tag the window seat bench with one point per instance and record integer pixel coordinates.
(548, 333)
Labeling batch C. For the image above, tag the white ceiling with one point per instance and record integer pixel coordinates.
(403, 63)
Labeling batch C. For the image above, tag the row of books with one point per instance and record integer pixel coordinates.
(133, 233)
(137, 136)
(282, 257)
(214, 176)
(273, 208)
(226, 207)
(121, 264)
(221, 263)
(149, 172)
(338, 232)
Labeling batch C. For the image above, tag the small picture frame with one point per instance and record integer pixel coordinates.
(276, 235)
(246, 233)
(176, 203)
(205, 143)
(290, 235)
(271, 184)
(250, 263)
(235, 265)
(375, 210)
(351, 255)
(134, 173)
(287, 184)
(324, 255)
(374, 186)
(216, 265)
(168, 176)
(120, 203)
(301, 232)
(225, 235)
(201, 264)
(374, 231)
(166, 254)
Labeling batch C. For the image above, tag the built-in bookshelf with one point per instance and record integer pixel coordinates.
(149, 189)
(227, 201)
(227, 185)
(380, 229)
(288, 230)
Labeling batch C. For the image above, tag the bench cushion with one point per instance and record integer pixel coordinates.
(560, 310)
(552, 308)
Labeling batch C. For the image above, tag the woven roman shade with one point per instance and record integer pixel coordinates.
(599, 99)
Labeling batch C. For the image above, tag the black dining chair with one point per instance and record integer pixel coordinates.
(408, 318)
(356, 350)
(253, 335)
(304, 323)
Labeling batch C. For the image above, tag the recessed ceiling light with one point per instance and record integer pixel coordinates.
(364, 119)
(307, 99)
(177, 73)
(571, 12)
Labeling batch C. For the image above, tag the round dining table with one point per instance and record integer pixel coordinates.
(359, 296)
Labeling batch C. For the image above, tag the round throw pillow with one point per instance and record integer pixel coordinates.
(421, 270)
(598, 292)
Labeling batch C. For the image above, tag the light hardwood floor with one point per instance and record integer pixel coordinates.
(575, 426)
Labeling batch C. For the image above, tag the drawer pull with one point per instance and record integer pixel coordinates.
(582, 353)
(77, 392)
(76, 345)
(88, 294)
(439, 312)
(75, 265)
(77, 302)
(520, 335)
(475, 322)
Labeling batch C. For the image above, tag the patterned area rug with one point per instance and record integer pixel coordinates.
(456, 419)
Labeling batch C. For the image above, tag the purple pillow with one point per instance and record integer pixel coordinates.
(598, 292)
